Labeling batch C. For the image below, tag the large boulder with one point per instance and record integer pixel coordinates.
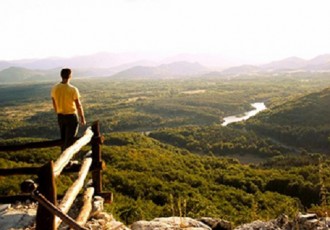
(216, 224)
(166, 223)
(281, 223)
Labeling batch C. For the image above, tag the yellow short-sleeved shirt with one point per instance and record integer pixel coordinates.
(65, 96)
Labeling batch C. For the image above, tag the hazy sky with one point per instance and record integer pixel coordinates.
(255, 30)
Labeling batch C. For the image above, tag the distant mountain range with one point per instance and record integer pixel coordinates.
(125, 66)
(95, 61)
(110, 60)
(320, 63)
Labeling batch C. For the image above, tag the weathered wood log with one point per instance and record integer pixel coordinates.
(107, 196)
(20, 171)
(45, 219)
(33, 145)
(73, 191)
(67, 154)
(97, 157)
(55, 211)
(86, 209)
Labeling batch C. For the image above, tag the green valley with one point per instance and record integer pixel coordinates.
(168, 154)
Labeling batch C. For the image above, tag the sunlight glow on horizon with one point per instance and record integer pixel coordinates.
(254, 30)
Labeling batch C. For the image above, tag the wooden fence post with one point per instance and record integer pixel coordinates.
(45, 220)
(97, 158)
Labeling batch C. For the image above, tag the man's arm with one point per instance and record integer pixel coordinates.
(80, 112)
(54, 104)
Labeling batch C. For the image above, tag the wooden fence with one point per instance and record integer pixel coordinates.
(50, 213)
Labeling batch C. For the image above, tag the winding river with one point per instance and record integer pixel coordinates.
(259, 106)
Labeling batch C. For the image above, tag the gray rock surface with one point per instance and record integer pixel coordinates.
(166, 223)
(21, 216)
(17, 216)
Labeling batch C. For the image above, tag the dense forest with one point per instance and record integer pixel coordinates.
(168, 154)
(303, 123)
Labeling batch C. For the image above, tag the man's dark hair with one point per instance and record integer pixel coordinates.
(65, 73)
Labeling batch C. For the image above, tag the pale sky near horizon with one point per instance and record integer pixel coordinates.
(253, 30)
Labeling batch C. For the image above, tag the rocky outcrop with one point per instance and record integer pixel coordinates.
(17, 216)
(302, 222)
(22, 216)
(103, 220)
(165, 223)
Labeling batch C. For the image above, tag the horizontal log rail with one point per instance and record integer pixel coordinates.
(14, 198)
(20, 171)
(74, 168)
(67, 155)
(32, 145)
(49, 213)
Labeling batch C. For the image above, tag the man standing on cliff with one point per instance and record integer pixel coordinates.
(67, 105)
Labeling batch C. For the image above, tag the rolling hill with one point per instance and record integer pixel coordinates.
(304, 122)
(319, 63)
(288, 63)
(18, 74)
(171, 70)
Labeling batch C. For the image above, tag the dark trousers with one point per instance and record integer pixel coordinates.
(68, 124)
